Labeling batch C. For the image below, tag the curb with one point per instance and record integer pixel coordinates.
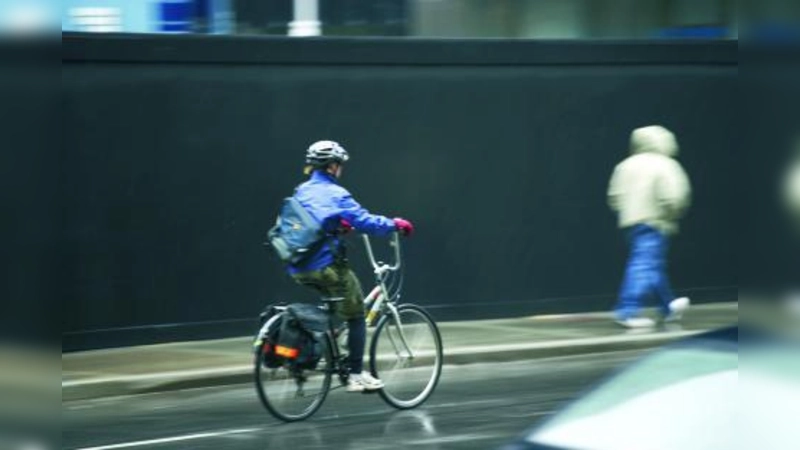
(173, 381)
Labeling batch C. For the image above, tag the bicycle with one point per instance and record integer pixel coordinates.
(405, 351)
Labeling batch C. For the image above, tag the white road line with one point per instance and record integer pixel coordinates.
(188, 437)
(455, 439)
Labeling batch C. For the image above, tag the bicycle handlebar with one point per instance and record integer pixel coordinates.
(382, 267)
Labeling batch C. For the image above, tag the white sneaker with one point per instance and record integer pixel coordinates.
(363, 382)
(637, 322)
(676, 309)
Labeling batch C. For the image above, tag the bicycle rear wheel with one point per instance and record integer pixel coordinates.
(407, 356)
(288, 392)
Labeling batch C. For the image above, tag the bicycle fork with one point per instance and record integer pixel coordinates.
(400, 332)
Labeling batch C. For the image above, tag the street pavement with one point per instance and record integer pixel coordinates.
(475, 406)
(500, 377)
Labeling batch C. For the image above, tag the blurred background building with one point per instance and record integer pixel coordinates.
(150, 16)
(548, 19)
(28, 16)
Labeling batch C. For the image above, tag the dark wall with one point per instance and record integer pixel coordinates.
(770, 247)
(29, 182)
(178, 151)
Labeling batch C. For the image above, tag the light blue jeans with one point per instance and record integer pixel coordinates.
(646, 272)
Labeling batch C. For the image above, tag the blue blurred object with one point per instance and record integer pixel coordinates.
(175, 16)
(695, 32)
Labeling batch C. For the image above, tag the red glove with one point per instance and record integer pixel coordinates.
(344, 226)
(405, 227)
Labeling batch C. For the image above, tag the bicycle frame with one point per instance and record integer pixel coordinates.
(380, 296)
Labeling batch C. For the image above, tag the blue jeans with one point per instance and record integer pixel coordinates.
(646, 272)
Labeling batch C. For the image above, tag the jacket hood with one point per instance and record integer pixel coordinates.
(654, 139)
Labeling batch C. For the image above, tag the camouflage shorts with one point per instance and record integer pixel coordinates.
(337, 280)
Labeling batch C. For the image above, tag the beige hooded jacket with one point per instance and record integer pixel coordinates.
(650, 187)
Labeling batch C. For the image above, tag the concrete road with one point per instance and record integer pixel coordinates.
(476, 406)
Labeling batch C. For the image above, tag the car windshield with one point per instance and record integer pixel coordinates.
(698, 381)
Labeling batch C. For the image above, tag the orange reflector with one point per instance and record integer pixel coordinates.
(286, 352)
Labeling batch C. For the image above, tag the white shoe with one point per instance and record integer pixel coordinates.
(363, 382)
(676, 309)
(637, 322)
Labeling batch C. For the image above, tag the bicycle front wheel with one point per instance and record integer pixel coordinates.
(289, 392)
(406, 354)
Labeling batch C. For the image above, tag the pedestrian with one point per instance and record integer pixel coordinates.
(650, 192)
(791, 195)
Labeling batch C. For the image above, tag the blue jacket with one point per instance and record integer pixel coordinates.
(329, 202)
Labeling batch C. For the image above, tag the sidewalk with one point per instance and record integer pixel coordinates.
(163, 367)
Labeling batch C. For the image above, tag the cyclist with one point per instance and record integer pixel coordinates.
(328, 271)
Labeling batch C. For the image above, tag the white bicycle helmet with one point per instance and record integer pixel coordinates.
(321, 153)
